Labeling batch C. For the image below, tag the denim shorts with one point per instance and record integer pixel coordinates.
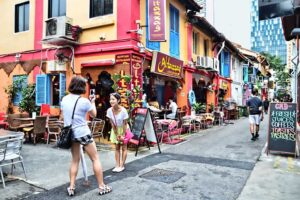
(87, 139)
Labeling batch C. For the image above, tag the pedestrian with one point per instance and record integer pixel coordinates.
(118, 116)
(255, 114)
(266, 105)
(81, 132)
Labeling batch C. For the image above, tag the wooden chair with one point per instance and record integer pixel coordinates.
(53, 129)
(38, 128)
(97, 128)
(187, 124)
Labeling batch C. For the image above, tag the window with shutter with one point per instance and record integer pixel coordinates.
(225, 65)
(50, 88)
(21, 82)
(41, 89)
(62, 86)
(174, 32)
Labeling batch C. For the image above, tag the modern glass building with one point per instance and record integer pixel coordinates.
(267, 35)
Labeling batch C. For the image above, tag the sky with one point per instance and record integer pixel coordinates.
(232, 18)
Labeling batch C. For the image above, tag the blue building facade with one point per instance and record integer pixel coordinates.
(267, 35)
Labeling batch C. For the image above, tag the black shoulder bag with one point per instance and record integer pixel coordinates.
(65, 139)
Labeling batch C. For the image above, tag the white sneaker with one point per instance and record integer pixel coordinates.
(121, 169)
(116, 169)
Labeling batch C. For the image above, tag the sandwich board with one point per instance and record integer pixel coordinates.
(143, 122)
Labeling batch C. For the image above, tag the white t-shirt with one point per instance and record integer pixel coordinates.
(173, 106)
(79, 123)
(120, 117)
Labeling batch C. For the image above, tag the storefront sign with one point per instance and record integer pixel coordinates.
(224, 85)
(165, 65)
(157, 20)
(135, 63)
(137, 71)
(123, 59)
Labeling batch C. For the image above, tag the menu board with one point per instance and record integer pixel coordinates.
(282, 127)
(138, 125)
(143, 121)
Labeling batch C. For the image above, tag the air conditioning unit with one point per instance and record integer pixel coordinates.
(216, 64)
(201, 62)
(57, 27)
(54, 66)
(209, 63)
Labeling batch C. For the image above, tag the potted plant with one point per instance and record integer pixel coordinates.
(211, 107)
(199, 108)
(27, 104)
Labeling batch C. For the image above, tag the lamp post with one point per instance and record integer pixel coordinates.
(296, 32)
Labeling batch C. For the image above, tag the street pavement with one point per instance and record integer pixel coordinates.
(219, 163)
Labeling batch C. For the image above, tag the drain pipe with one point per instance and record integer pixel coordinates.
(222, 47)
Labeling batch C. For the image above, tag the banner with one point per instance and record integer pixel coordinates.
(157, 20)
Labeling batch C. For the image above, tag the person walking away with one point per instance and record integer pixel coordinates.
(173, 107)
(81, 132)
(255, 114)
(266, 105)
(118, 116)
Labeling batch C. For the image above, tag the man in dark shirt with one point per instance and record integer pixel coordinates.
(255, 114)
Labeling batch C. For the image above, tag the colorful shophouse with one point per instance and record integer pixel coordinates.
(55, 40)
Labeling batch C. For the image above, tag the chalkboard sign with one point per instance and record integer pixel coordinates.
(282, 128)
(139, 122)
(143, 121)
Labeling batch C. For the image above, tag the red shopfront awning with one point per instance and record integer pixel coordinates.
(98, 63)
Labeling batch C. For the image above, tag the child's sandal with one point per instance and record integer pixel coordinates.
(104, 189)
(71, 191)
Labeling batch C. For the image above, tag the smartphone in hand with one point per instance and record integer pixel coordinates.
(92, 94)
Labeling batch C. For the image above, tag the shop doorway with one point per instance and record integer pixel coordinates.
(200, 91)
(159, 88)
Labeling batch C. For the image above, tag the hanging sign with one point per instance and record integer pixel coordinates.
(157, 20)
(166, 65)
(137, 72)
(282, 135)
(143, 121)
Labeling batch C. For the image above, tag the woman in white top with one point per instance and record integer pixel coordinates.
(81, 132)
(118, 118)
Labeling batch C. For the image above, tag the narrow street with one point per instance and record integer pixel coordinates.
(212, 164)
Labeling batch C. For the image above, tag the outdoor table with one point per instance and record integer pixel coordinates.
(164, 125)
(6, 134)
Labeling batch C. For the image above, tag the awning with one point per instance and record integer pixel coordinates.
(28, 66)
(98, 63)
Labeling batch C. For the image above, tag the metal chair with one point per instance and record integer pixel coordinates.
(10, 151)
(97, 128)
